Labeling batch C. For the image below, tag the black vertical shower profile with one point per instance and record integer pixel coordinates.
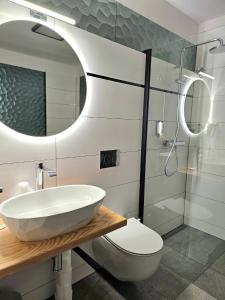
(144, 133)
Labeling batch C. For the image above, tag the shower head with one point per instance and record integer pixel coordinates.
(218, 50)
(215, 50)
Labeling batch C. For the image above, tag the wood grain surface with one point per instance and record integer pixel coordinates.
(16, 255)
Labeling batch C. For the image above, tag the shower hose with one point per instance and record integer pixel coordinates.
(168, 172)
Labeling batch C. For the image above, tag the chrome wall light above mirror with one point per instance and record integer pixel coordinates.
(42, 81)
(44, 11)
(195, 106)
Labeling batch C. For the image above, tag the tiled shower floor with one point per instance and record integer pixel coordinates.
(192, 267)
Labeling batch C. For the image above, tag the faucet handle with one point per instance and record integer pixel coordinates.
(52, 173)
(1, 189)
(40, 166)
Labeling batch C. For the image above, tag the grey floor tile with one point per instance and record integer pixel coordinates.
(134, 291)
(8, 295)
(197, 245)
(182, 239)
(165, 249)
(150, 294)
(185, 267)
(141, 290)
(207, 250)
(219, 265)
(192, 292)
(167, 283)
(95, 288)
(213, 283)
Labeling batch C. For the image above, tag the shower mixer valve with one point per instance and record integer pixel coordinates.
(169, 143)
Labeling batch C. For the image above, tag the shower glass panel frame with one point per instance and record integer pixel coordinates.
(187, 196)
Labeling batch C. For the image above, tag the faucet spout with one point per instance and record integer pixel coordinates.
(41, 169)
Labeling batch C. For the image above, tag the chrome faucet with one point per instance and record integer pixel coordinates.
(41, 169)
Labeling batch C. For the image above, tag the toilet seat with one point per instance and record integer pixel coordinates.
(136, 239)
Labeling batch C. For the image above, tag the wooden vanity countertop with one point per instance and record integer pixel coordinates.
(15, 255)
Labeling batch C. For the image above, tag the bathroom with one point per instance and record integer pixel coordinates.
(128, 97)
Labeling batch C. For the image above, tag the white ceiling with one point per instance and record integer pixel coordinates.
(200, 10)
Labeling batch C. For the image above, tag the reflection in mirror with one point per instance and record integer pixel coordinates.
(197, 107)
(42, 82)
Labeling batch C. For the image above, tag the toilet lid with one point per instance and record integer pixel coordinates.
(136, 238)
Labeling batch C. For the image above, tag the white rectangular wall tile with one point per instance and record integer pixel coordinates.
(169, 226)
(114, 100)
(58, 96)
(218, 110)
(156, 159)
(129, 66)
(207, 160)
(61, 81)
(172, 74)
(207, 185)
(213, 138)
(154, 163)
(205, 210)
(206, 227)
(161, 187)
(96, 134)
(16, 148)
(156, 105)
(170, 112)
(158, 73)
(55, 125)
(124, 198)
(164, 211)
(60, 111)
(86, 170)
(169, 130)
(21, 60)
(14, 173)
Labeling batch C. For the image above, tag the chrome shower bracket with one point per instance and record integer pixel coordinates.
(169, 143)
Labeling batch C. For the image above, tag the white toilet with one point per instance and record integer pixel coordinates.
(131, 253)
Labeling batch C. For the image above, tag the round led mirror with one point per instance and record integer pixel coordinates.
(42, 82)
(195, 106)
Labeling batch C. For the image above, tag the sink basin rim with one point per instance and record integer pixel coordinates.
(7, 215)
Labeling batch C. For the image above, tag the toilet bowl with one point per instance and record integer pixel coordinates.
(131, 253)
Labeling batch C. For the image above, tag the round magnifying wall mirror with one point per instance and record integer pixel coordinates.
(42, 82)
(195, 106)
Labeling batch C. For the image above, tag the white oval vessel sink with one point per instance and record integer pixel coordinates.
(50, 212)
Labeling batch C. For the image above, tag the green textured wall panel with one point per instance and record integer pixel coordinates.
(23, 99)
(112, 20)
